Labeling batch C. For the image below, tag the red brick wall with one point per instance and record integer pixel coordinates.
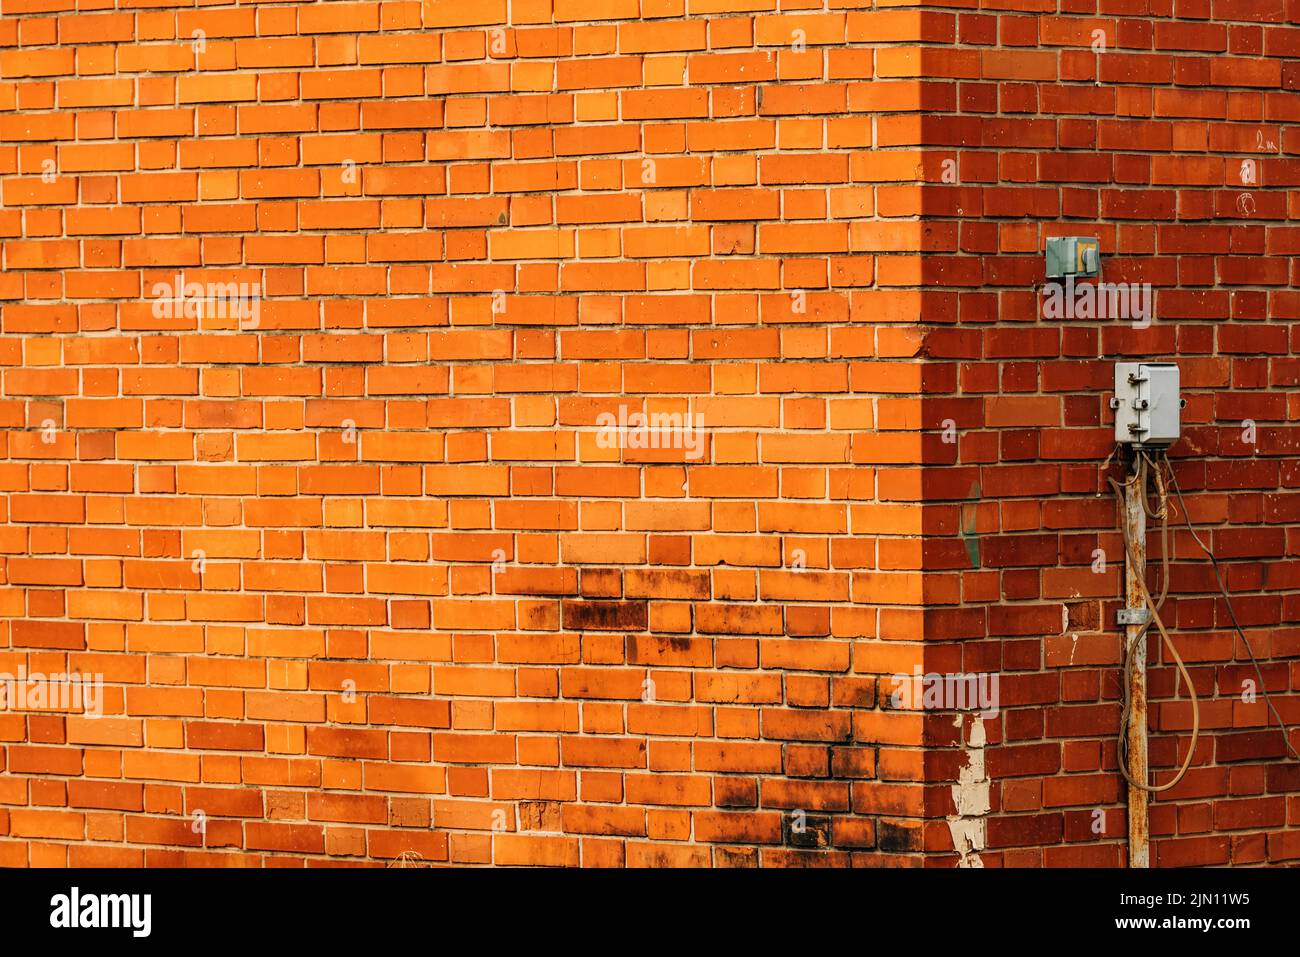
(364, 583)
(1139, 142)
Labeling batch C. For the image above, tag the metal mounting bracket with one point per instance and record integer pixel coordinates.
(1133, 616)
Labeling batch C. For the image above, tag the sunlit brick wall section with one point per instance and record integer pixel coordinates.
(365, 573)
(1166, 130)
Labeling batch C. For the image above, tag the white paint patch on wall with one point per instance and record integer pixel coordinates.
(971, 796)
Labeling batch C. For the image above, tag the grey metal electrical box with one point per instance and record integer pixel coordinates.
(1078, 256)
(1147, 404)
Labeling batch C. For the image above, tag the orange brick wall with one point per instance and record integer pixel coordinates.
(1130, 122)
(361, 580)
(364, 582)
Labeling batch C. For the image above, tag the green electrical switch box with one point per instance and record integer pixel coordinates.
(1077, 256)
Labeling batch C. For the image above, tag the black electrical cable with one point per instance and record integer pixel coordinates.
(1232, 614)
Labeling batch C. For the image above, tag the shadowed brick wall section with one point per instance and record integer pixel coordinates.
(361, 580)
(1141, 144)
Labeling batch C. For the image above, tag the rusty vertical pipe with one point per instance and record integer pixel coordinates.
(1135, 557)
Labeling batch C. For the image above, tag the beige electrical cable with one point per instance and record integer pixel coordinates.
(1139, 477)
